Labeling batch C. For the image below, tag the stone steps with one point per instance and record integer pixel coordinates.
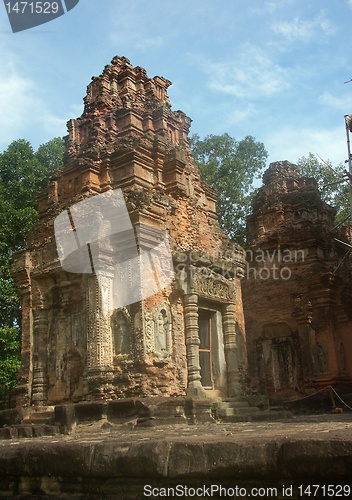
(237, 404)
(228, 412)
(247, 409)
(31, 422)
(28, 431)
(40, 415)
(261, 416)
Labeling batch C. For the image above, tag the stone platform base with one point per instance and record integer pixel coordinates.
(128, 464)
(129, 413)
(146, 412)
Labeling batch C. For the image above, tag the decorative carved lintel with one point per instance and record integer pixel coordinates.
(206, 283)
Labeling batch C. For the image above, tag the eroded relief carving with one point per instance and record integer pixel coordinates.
(162, 332)
(121, 332)
(320, 360)
(213, 286)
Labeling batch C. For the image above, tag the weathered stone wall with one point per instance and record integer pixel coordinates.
(129, 138)
(298, 316)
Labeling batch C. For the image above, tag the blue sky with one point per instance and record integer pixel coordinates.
(271, 69)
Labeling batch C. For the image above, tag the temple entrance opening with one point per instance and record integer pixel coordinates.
(205, 323)
(211, 350)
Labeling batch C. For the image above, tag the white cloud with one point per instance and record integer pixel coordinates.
(304, 30)
(22, 110)
(137, 40)
(149, 43)
(137, 27)
(291, 143)
(13, 91)
(239, 115)
(341, 103)
(271, 6)
(250, 74)
(53, 126)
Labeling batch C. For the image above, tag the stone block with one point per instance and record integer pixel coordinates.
(11, 417)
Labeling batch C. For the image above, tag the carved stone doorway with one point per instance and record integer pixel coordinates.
(212, 361)
(205, 324)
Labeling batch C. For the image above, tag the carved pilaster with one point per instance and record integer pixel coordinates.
(99, 339)
(302, 313)
(21, 393)
(195, 388)
(39, 384)
(99, 376)
(40, 335)
(229, 326)
(21, 273)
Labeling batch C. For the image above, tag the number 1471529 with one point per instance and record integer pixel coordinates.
(32, 7)
(322, 491)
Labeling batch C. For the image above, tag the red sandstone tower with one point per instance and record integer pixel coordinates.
(297, 289)
(185, 339)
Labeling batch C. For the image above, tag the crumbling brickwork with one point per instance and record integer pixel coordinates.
(297, 302)
(129, 138)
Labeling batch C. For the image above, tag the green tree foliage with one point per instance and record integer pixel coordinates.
(332, 183)
(231, 167)
(23, 174)
(10, 363)
(51, 154)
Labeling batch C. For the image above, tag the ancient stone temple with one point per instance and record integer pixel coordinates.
(297, 298)
(105, 314)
